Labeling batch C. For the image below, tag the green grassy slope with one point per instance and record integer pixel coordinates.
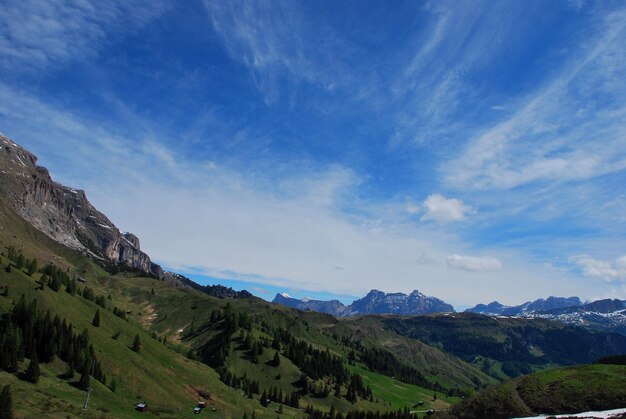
(441, 367)
(560, 390)
(508, 346)
(158, 375)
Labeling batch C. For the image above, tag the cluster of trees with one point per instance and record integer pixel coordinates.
(21, 262)
(215, 351)
(277, 396)
(384, 362)
(313, 362)
(318, 414)
(613, 360)
(251, 387)
(27, 332)
(56, 277)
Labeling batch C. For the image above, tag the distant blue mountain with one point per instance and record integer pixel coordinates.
(375, 302)
(551, 303)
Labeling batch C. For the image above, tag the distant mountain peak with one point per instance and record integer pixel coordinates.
(375, 302)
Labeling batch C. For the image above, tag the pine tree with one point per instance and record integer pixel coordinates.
(96, 319)
(19, 262)
(70, 370)
(137, 343)
(6, 403)
(33, 372)
(264, 399)
(32, 267)
(337, 389)
(83, 383)
(276, 360)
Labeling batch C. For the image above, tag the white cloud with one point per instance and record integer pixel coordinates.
(40, 34)
(474, 263)
(438, 208)
(598, 268)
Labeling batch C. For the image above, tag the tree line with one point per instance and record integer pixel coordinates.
(29, 333)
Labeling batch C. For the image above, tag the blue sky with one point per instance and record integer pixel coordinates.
(471, 150)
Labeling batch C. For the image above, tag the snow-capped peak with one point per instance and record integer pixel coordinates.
(284, 294)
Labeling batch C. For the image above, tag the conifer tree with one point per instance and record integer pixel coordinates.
(137, 343)
(96, 319)
(276, 360)
(19, 262)
(6, 403)
(32, 267)
(84, 379)
(33, 372)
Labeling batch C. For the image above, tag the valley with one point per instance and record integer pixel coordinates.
(163, 341)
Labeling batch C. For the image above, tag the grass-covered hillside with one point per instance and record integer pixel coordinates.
(555, 391)
(508, 347)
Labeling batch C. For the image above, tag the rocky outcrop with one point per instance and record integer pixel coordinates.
(65, 214)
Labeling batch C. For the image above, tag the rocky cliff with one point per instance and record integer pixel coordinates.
(65, 214)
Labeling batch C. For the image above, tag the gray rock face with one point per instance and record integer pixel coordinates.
(375, 302)
(63, 213)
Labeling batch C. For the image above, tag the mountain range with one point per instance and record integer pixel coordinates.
(375, 302)
(607, 314)
(551, 303)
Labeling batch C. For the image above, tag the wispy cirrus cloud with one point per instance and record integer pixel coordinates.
(571, 129)
(278, 43)
(39, 34)
(437, 90)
